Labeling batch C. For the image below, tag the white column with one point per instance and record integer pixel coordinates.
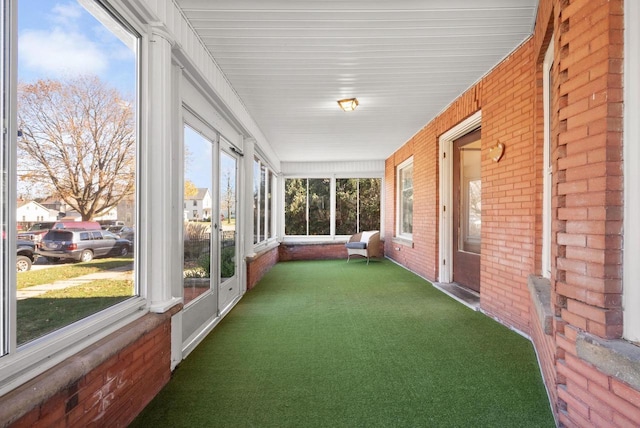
(160, 249)
(247, 196)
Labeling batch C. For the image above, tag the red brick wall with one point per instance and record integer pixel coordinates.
(508, 189)
(506, 97)
(259, 265)
(586, 283)
(135, 366)
(589, 224)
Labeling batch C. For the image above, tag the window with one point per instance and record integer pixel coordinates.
(73, 120)
(357, 205)
(307, 206)
(326, 206)
(262, 202)
(405, 199)
(547, 174)
(55, 93)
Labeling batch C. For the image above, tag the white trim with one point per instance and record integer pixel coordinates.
(445, 240)
(547, 174)
(631, 155)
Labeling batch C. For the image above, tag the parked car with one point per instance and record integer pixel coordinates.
(38, 230)
(26, 255)
(81, 245)
(106, 224)
(124, 232)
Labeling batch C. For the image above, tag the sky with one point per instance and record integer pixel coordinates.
(59, 39)
(198, 167)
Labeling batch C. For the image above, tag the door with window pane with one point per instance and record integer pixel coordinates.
(227, 225)
(467, 210)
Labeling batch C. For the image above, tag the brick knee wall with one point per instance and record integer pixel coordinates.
(316, 251)
(259, 265)
(311, 251)
(107, 384)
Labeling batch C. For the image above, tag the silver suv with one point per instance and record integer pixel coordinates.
(81, 245)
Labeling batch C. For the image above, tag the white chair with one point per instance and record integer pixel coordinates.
(365, 244)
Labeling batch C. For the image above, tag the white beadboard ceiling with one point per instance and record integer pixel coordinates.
(405, 61)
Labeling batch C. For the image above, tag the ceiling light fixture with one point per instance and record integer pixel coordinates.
(348, 104)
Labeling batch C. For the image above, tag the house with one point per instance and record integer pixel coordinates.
(198, 206)
(32, 212)
(512, 173)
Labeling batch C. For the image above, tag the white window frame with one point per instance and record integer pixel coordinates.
(631, 155)
(547, 170)
(399, 213)
(23, 363)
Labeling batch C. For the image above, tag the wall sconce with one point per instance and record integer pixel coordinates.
(348, 104)
(496, 152)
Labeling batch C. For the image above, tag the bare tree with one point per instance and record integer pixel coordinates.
(78, 141)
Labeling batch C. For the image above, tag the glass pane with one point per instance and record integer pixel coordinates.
(263, 198)
(319, 206)
(471, 220)
(270, 229)
(198, 173)
(256, 201)
(295, 206)
(406, 209)
(76, 163)
(370, 203)
(228, 217)
(474, 223)
(346, 206)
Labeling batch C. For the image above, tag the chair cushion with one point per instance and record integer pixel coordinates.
(356, 245)
(366, 235)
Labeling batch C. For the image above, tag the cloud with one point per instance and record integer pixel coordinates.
(60, 53)
(66, 14)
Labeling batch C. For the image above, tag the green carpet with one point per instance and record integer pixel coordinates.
(331, 344)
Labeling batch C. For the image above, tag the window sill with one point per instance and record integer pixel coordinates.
(616, 358)
(540, 290)
(261, 249)
(402, 241)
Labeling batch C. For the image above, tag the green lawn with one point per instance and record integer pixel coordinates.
(40, 315)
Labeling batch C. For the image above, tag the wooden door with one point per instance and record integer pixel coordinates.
(467, 219)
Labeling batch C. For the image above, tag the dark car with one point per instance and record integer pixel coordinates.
(26, 255)
(124, 232)
(82, 245)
